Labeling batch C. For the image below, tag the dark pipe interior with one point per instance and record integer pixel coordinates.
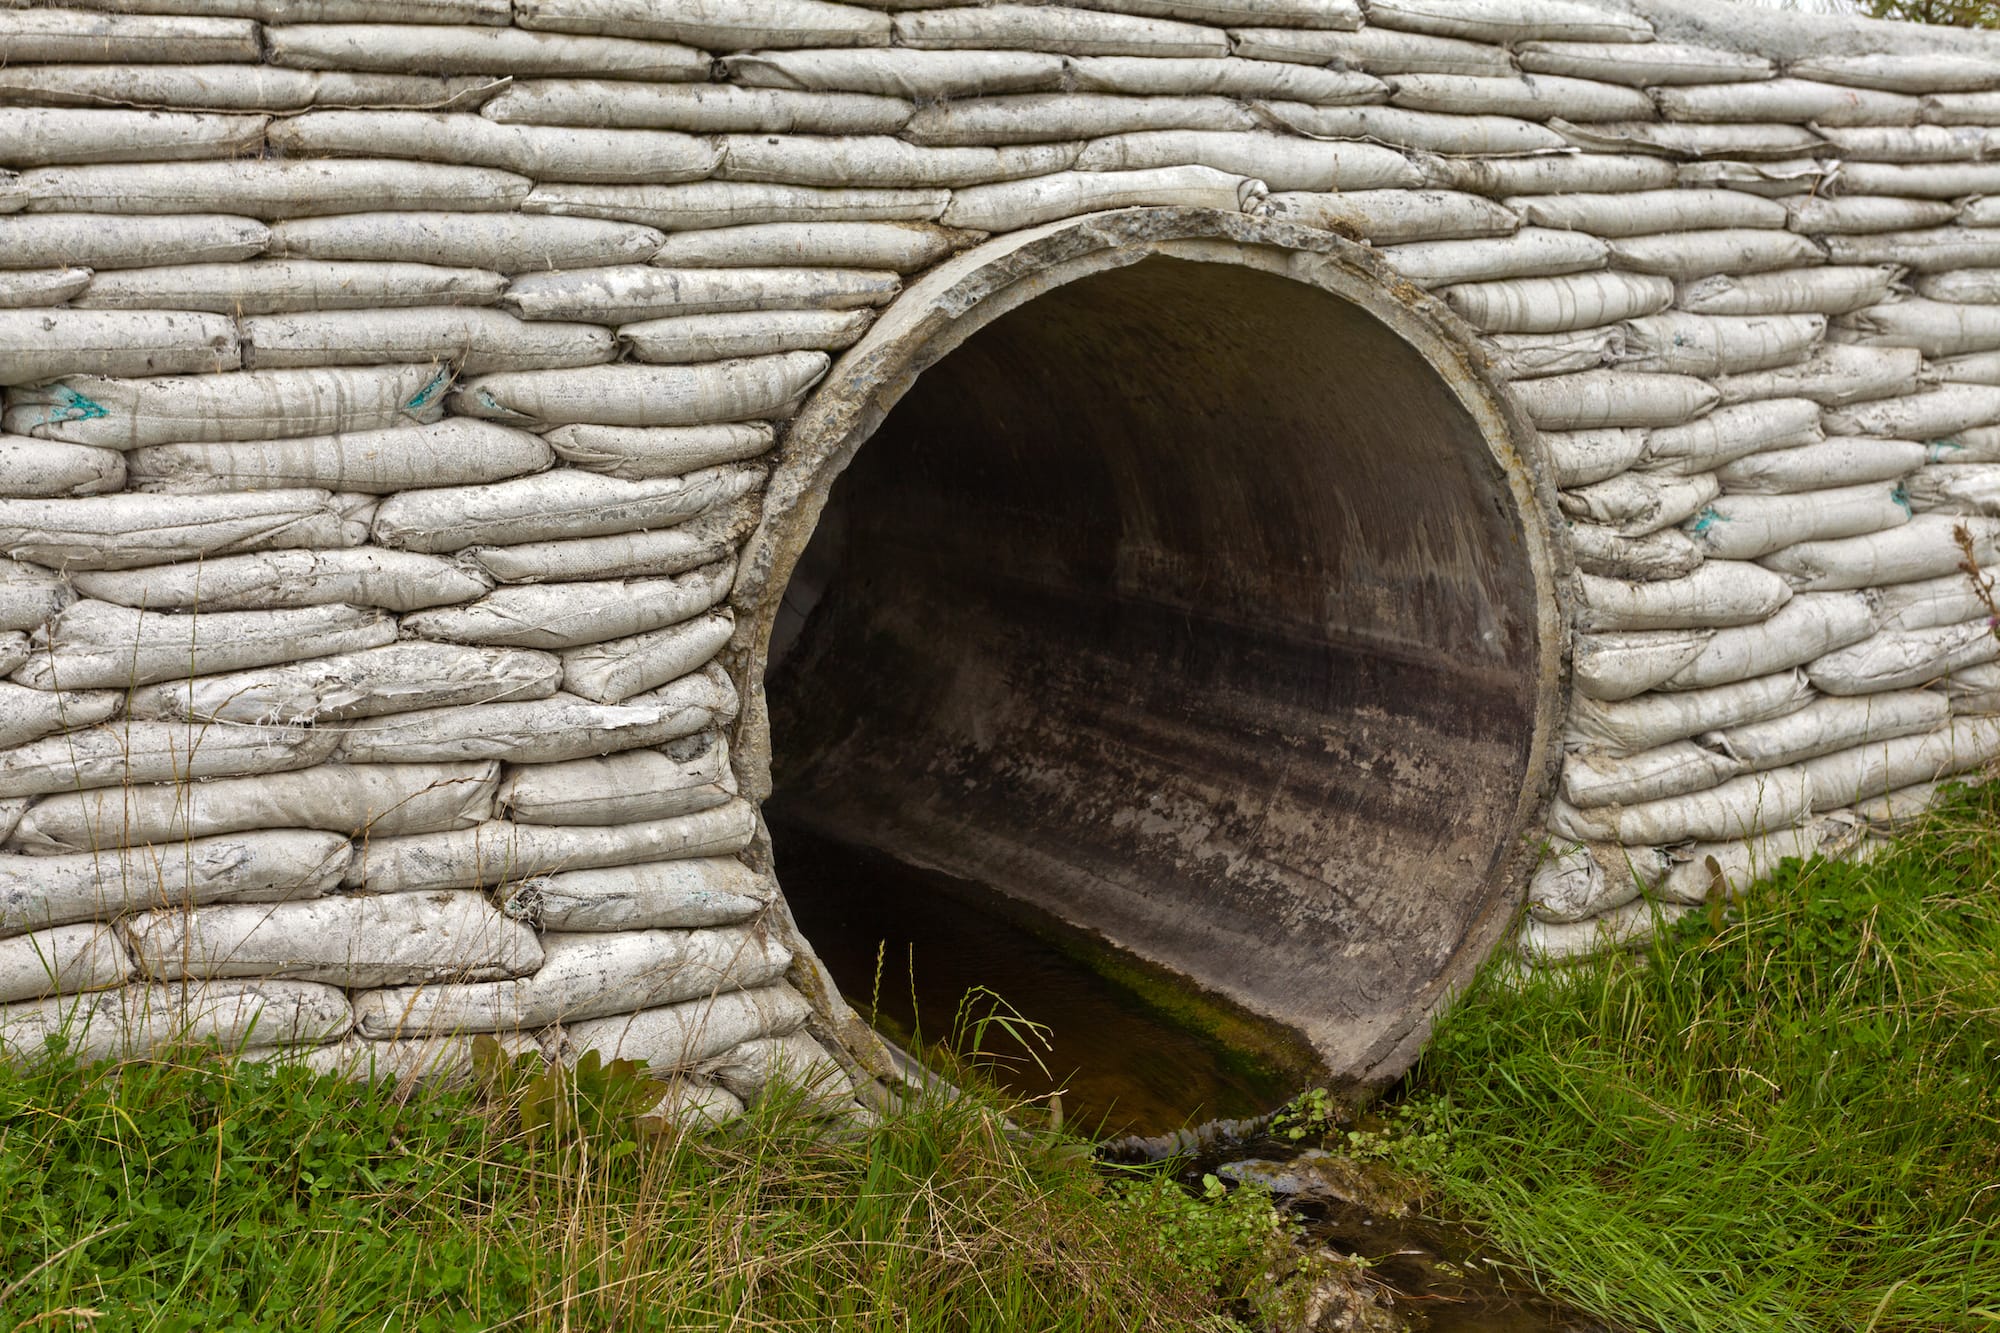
(1185, 602)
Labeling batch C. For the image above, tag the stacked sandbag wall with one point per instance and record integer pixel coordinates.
(389, 386)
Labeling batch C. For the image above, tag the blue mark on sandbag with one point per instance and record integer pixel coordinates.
(1937, 448)
(72, 406)
(438, 384)
(1707, 519)
(1902, 497)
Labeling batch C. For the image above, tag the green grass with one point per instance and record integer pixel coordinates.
(188, 1194)
(1783, 1116)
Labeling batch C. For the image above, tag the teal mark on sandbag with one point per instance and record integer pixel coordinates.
(438, 384)
(1707, 519)
(1938, 448)
(1902, 497)
(72, 406)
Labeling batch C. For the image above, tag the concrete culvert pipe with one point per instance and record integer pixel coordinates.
(1180, 574)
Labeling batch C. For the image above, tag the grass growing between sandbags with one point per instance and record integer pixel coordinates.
(1784, 1115)
(184, 1194)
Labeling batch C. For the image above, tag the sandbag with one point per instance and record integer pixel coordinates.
(1591, 779)
(1533, 98)
(57, 34)
(1933, 250)
(1978, 286)
(13, 651)
(881, 160)
(63, 960)
(1017, 204)
(1772, 179)
(689, 775)
(641, 452)
(609, 671)
(1579, 457)
(1975, 368)
(1897, 811)
(270, 286)
(1685, 344)
(499, 853)
(1928, 180)
(1579, 880)
(1942, 411)
(474, 340)
(358, 800)
(1930, 72)
(1979, 445)
(1929, 602)
(1793, 101)
(1743, 527)
(1624, 927)
(1070, 32)
(795, 1061)
(401, 47)
(539, 152)
(583, 976)
(1974, 691)
(387, 940)
(28, 714)
(547, 730)
(1532, 252)
(1061, 117)
(507, 242)
(253, 405)
(1686, 256)
(147, 751)
(676, 550)
(1960, 746)
(120, 531)
(271, 580)
(133, 1020)
(1506, 21)
(1955, 488)
(1833, 376)
(1639, 212)
(1935, 328)
(1553, 305)
(716, 108)
(1747, 144)
(1620, 665)
(46, 344)
(48, 136)
(1729, 433)
(718, 391)
(1827, 726)
(1846, 221)
(713, 25)
(1281, 161)
(263, 867)
(1631, 725)
(1898, 658)
(1638, 503)
(681, 339)
(566, 615)
(41, 287)
(626, 294)
(395, 678)
(699, 205)
(1739, 808)
(894, 247)
(1385, 217)
(1376, 50)
(676, 895)
(234, 87)
(97, 644)
(267, 188)
(564, 503)
(1599, 398)
(30, 597)
(679, 1035)
(1809, 626)
(1652, 65)
(1527, 355)
(1842, 461)
(47, 469)
(1717, 594)
(1923, 548)
(1911, 143)
(1668, 554)
(1832, 290)
(1709, 870)
(452, 452)
(1507, 177)
(1161, 76)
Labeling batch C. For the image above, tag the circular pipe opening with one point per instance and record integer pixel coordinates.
(1189, 586)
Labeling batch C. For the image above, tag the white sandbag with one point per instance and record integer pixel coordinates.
(1739, 808)
(543, 153)
(1686, 344)
(267, 188)
(636, 452)
(1018, 204)
(1578, 880)
(1841, 461)
(1931, 250)
(1600, 398)
(46, 344)
(365, 576)
(1070, 32)
(1979, 445)
(1942, 411)
(69, 34)
(253, 405)
(547, 730)
(1376, 50)
(388, 940)
(358, 800)
(1553, 305)
(42, 287)
(1729, 868)
(549, 505)
(899, 72)
(452, 452)
(1974, 691)
(506, 242)
(1591, 779)
(1977, 286)
(1637, 213)
(1610, 554)
(1424, 131)
(28, 714)
(1618, 666)
(499, 853)
(1961, 108)
(13, 652)
(63, 960)
(30, 597)
(703, 204)
(474, 341)
(1142, 76)
(1948, 600)
(37, 891)
(1627, 927)
(1729, 433)
(680, 1035)
(1955, 488)
(1826, 291)
(718, 391)
(1960, 746)
(1827, 726)
(1896, 659)
(1651, 65)
(1844, 222)
(1835, 375)
(1530, 97)
(134, 1020)
(1550, 173)
(1935, 328)
(1810, 625)
(1928, 180)
(1516, 356)
(437, 48)
(1773, 180)
(232, 87)
(583, 976)
(1631, 725)
(1913, 143)
(1023, 118)
(1510, 20)
(271, 286)
(48, 136)
(715, 108)
(610, 671)
(795, 1061)
(130, 751)
(1638, 503)
(881, 160)
(1897, 811)
(96, 644)
(1923, 548)
(566, 615)
(656, 554)
(1532, 252)
(1280, 161)
(636, 292)
(1930, 72)
(714, 25)
(689, 775)
(1793, 101)
(421, 1062)
(1720, 593)
(894, 247)
(1745, 144)
(45, 469)
(1685, 256)
(1743, 527)
(1579, 457)
(120, 531)
(1385, 217)
(683, 339)
(676, 895)
(394, 678)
